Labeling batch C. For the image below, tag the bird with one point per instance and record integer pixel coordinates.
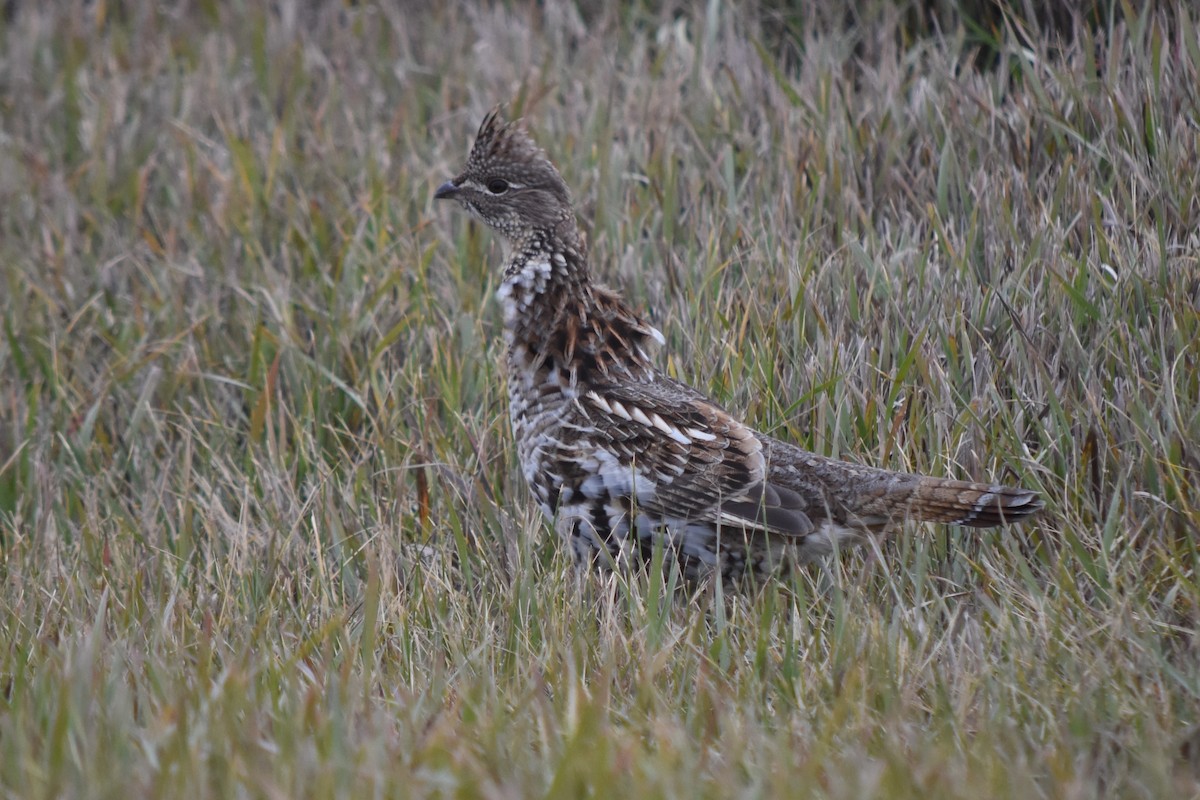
(625, 460)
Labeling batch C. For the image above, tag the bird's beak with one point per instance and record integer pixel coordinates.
(445, 191)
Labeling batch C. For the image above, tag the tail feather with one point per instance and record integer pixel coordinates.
(976, 505)
(858, 496)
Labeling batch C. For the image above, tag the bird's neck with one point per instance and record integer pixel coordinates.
(556, 318)
(547, 270)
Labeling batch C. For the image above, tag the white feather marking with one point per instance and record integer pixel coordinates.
(518, 288)
(608, 477)
(593, 486)
(656, 335)
(662, 424)
(699, 435)
(599, 402)
(635, 414)
(640, 416)
(670, 430)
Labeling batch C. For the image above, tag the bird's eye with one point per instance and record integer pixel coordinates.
(497, 186)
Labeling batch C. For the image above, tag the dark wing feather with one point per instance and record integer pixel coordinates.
(771, 507)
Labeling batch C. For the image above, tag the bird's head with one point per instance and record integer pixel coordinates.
(509, 183)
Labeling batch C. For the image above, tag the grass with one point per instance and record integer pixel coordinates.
(261, 530)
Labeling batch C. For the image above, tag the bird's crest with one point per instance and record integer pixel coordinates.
(500, 142)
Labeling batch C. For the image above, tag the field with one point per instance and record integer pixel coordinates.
(261, 528)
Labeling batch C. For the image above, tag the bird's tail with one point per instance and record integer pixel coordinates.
(858, 496)
(977, 505)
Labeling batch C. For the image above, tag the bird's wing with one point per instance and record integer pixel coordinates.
(686, 458)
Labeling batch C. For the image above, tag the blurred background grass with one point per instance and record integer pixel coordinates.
(261, 529)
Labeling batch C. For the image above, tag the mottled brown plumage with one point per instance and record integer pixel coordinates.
(624, 458)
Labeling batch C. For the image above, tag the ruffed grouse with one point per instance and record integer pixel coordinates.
(622, 456)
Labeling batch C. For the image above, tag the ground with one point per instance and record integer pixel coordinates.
(262, 533)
